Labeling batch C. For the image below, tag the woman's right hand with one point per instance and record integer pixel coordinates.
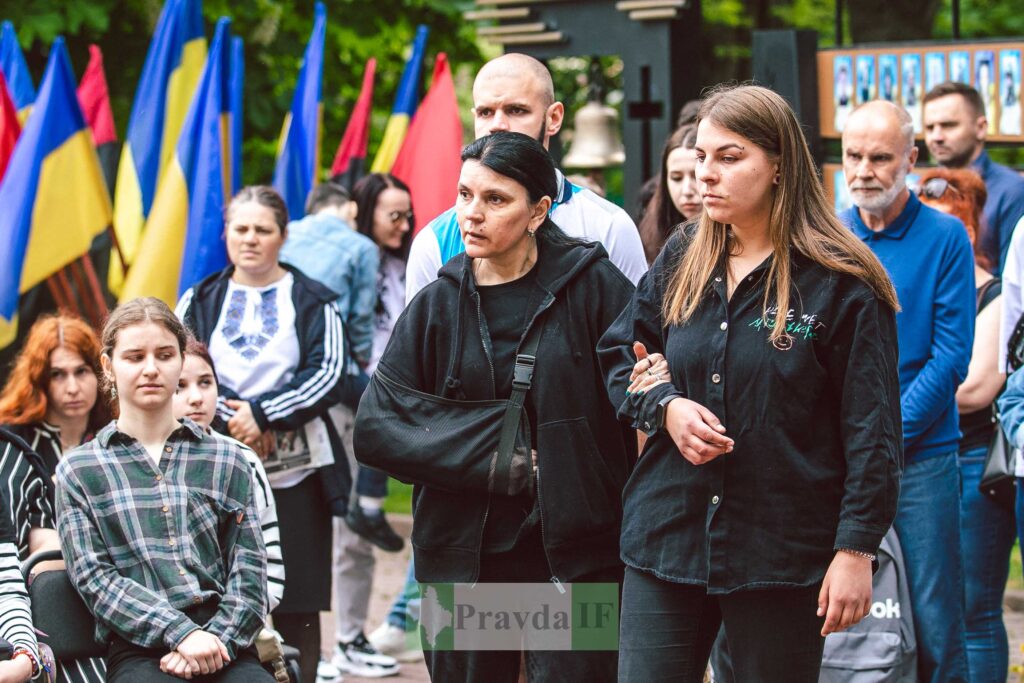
(696, 432)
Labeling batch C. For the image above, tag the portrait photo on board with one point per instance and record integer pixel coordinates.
(934, 69)
(984, 62)
(867, 87)
(911, 88)
(1009, 92)
(842, 89)
(888, 77)
(960, 67)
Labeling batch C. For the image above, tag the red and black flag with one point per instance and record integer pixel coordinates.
(350, 160)
(95, 101)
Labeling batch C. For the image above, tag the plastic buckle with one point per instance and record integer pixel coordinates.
(522, 378)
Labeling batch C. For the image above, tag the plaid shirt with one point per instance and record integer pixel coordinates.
(143, 543)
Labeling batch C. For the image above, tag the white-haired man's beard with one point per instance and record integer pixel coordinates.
(873, 197)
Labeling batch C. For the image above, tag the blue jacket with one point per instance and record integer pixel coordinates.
(1011, 409)
(1003, 208)
(929, 258)
(326, 249)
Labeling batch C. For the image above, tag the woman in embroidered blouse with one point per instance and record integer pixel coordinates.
(157, 522)
(50, 397)
(772, 468)
(276, 337)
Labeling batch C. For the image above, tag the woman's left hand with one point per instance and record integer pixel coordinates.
(845, 596)
(16, 670)
(649, 371)
(242, 424)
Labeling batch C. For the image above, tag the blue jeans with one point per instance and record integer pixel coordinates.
(928, 524)
(407, 604)
(986, 539)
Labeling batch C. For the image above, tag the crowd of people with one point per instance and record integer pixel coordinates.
(723, 408)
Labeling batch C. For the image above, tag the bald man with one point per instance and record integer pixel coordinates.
(931, 263)
(514, 92)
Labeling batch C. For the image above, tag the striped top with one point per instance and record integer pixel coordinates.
(15, 612)
(24, 486)
(144, 541)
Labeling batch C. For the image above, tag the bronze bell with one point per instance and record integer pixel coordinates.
(596, 142)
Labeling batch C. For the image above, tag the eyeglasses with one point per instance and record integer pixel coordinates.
(398, 216)
(935, 188)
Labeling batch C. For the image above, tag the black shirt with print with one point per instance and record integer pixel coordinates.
(815, 417)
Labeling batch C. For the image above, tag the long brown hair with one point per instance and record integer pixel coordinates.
(24, 399)
(800, 216)
(661, 214)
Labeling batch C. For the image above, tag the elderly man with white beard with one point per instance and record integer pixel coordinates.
(929, 259)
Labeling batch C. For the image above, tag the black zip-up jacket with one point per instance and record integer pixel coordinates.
(584, 454)
(316, 385)
(815, 417)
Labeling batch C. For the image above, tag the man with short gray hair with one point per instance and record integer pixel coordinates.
(930, 261)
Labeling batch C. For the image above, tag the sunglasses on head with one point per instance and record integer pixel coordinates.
(935, 188)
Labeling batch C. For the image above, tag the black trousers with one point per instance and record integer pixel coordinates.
(127, 663)
(525, 563)
(667, 629)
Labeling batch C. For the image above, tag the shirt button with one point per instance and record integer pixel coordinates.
(647, 425)
(723, 326)
(171, 541)
(715, 500)
(167, 449)
(159, 477)
(197, 600)
(718, 279)
(181, 572)
(166, 509)
(716, 378)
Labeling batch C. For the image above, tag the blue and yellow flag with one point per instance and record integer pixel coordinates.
(405, 106)
(298, 153)
(173, 65)
(182, 242)
(237, 111)
(19, 80)
(53, 193)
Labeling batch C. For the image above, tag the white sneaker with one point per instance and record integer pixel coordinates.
(359, 658)
(327, 673)
(388, 639)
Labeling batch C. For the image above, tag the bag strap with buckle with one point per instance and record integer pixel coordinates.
(522, 380)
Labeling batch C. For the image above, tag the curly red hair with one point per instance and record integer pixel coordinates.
(24, 398)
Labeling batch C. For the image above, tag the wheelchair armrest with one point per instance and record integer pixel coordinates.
(39, 556)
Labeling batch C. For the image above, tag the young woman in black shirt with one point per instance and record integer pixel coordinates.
(772, 469)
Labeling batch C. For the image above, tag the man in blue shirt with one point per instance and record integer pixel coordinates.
(955, 127)
(930, 261)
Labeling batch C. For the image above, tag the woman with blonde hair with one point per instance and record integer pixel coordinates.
(772, 468)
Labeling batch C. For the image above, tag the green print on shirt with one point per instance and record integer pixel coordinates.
(805, 328)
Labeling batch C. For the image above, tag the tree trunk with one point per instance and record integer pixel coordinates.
(874, 21)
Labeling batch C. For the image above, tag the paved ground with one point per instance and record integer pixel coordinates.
(391, 568)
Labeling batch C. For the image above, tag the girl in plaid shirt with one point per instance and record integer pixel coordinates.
(157, 521)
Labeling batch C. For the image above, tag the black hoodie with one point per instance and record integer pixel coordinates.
(584, 455)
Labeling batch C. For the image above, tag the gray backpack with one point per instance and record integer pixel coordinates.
(882, 647)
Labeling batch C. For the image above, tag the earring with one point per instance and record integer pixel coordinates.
(532, 234)
(777, 179)
(113, 391)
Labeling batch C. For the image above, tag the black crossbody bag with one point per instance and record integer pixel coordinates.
(487, 443)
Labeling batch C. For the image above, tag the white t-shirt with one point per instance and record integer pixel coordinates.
(391, 298)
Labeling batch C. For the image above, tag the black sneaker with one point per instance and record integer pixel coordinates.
(374, 528)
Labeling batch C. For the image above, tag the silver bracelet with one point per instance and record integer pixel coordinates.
(859, 553)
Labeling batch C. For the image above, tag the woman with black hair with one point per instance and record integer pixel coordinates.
(522, 297)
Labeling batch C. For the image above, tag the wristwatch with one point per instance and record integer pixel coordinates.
(662, 410)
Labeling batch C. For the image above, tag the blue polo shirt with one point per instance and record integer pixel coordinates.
(1003, 208)
(929, 258)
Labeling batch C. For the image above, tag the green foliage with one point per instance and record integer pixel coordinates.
(275, 34)
(982, 19)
